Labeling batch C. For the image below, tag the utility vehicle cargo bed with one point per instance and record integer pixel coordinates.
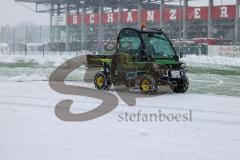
(98, 60)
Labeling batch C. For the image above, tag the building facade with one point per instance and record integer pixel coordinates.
(88, 23)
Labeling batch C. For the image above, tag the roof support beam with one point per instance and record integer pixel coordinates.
(185, 19)
(237, 21)
(210, 34)
(162, 14)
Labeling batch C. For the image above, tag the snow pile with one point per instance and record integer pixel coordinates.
(24, 78)
(39, 68)
(56, 60)
(35, 59)
(28, 78)
(4, 45)
(47, 60)
(217, 60)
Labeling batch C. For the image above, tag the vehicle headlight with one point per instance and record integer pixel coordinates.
(183, 65)
(107, 70)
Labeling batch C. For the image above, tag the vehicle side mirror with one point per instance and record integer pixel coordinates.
(181, 54)
(110, 46)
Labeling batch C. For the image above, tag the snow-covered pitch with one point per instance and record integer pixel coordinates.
(29, 128)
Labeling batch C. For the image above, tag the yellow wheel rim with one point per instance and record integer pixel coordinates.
(100, 81)
(146, 85)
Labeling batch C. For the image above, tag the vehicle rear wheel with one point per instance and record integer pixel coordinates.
(147, 85)
(101, 81)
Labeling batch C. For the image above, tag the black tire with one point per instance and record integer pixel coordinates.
(147, 84)
(182, 86)
(101, 81)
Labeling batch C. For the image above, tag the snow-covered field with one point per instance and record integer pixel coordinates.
(217, 60)
(30, 129)
(59, 59)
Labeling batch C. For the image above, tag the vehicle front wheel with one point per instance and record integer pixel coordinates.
(101, 81)
(182, 86)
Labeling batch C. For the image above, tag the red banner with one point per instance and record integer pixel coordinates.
(150, 16)
(74, 19)
(224, 12)
(197, 13)
(109, 18)
(129, 17)
(170, 14)
(92, 19)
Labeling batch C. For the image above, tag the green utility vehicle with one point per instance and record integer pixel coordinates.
(143, 59)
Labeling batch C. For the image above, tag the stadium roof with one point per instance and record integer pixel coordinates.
(91, 1)
(44, 5)
(94, 2)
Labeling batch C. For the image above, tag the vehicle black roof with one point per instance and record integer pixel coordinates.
(146, 30)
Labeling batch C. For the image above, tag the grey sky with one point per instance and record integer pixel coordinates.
(13, 13)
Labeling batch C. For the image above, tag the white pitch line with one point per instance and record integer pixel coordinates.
(219, 82)
(196, 80)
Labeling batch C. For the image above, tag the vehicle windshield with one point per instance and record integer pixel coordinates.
(158, 45)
